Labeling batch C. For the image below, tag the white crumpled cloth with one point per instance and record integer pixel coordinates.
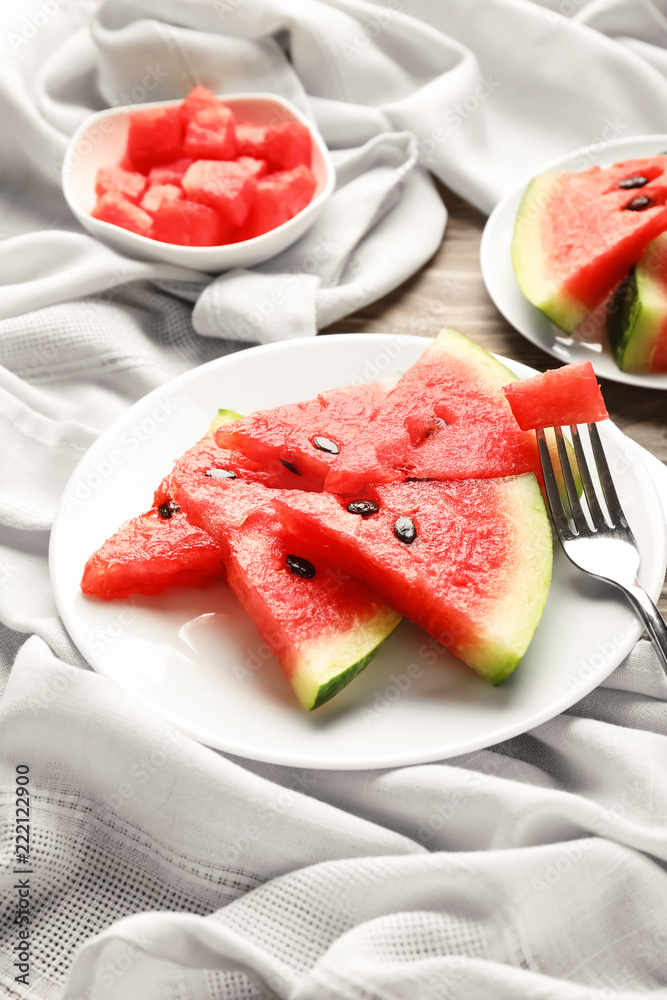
(161, 870)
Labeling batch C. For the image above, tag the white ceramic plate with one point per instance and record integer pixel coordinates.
(502, 286)
(194, 657)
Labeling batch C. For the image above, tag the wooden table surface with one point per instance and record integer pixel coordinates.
(449, 291)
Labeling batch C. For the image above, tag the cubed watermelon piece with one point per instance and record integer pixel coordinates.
(198, 98)
(283, 146)
(169, 173)
(155, 136)
(115, 208)
(130, 184)
(188, 224)
(279, 197)
(159, 193)
(209, 134)
(258, 168)
(557, 398)
(223, 185)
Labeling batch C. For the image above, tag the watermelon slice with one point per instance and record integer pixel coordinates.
(305, 438)
(130, 184)
(161, 549)
(470, 562)
(155, 135)
(324, 627)
(576, 235)
(637, 313)
(150, 553)
(557, 398)
(115, 208)
(446, 419)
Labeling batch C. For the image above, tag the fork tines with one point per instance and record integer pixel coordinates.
(576, 514)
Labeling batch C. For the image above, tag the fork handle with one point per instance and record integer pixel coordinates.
(653, 620)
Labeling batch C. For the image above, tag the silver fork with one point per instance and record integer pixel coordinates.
(605, 548)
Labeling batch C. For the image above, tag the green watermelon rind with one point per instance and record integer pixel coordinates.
(354, 656)
(636, 315)
(528, 257)
(496, 658)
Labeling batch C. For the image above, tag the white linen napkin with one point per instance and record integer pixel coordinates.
(163, 869)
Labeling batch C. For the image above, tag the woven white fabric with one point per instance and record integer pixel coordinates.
(162, 870)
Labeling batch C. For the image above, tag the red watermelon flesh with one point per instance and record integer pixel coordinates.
(159, 193)
(206, 455)
(225, 186)
(577, 234)
(128, 183)
(323, 626)
(279, 197)
(150, 553)
(198, 98)
(258, 168)
(209, 134)
(188, 224)
(306, 437)
(155, 135)
(116, 209)
(470, 562)
(557, 398)
(170, 173)
(446, 419)
(161, 549)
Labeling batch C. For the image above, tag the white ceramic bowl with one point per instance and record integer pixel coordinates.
(101, 141)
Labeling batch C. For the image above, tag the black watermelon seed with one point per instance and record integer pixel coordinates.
(638, 181)
(300, 567)
(290, 467)
(405, 530)
(638, 204)
(168, 508)
(220, 473)
(326, 444)
(363, 507)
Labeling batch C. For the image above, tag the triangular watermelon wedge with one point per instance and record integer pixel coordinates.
(577, 234)
(150, 553)
(302, 440)
(446, 419)
(323, 625)
(470, 562)
(160, 549)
